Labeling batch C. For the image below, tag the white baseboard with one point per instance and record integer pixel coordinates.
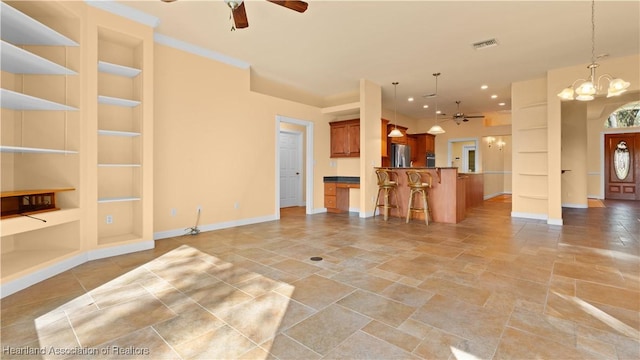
(533, 216)
(576, 206)
(318, 211)
(35, 277)
(487, 197)
(555, 222)
(217, 226)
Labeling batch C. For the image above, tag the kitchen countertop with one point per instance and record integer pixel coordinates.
(342, 179)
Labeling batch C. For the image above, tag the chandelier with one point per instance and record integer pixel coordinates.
(586, 89)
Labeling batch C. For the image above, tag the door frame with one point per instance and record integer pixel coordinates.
(602, 159)
(478, 159)
(308, 160)
(298, 140)
(465, 157)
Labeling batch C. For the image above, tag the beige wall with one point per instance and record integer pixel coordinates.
(215, 143)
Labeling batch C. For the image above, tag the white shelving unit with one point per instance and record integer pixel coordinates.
(118, 133)
(120, 70)
(108, 100)
(31, 248)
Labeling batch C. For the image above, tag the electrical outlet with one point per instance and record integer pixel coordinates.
(236, 205)
(173, 212)
(199, 208)
(109, 219)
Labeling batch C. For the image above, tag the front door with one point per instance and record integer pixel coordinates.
(622, 166)
(290, 169)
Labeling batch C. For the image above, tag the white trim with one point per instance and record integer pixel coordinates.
(37, 276)
(217, 226)
(318, 211)
(491, 196)
(534, 216)
(609, 131)
(366, 214)
(125, 11)
(197, 50)
(310, 162)
(558, 222)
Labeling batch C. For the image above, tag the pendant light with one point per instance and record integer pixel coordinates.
(395, 132)
(588, 88)
(436, 129)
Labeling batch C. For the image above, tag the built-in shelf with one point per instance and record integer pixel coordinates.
(532, 151)
(30, 150)
(118, 133)
(18, 28)
(17, 225)
(17, 101)
(18, 61)
(119, 165)
(536, 127)
(533, 174)
(119, 70)
(535, 197)
(118, 199)
(108, 100)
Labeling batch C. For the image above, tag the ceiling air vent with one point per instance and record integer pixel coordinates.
(485, 44)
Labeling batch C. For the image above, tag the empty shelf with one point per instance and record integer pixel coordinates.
(116, 69)
(18, 61)
(17, 101)
(19, 28)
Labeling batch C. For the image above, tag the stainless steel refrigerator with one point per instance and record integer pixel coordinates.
(400, 155)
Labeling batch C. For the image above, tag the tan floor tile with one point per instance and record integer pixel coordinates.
(608, 295)
(455, 290)
(327, 329)
(144, 343)
(438, 344)
(377, 307)
(516, 344)
(364, 346)
(285, 348)
(175, 299)
(413, 269)
(119, 320)
(362, 280)
(408, 295)
(318, 292)
(392, 335)
(187, 326)
(560, 330)
(221, 343)
(109, 296)
(296, 267)
(462, 319)
(589, 273)
(258, 285)
(219, 297)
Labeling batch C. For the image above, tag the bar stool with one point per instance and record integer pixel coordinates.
(417, 186)
(387, 183)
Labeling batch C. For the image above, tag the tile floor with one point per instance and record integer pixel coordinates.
(490, 287)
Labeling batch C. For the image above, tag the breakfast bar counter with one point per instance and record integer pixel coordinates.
(447, 195)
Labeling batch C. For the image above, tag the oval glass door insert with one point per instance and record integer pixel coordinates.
(621, 160)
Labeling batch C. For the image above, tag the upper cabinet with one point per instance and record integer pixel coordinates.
(345, 138)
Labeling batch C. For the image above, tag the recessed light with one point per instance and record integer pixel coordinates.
(494, 96)
(484, 87)
(410, 99)
(438, 112)
(425, 106)
(502, 104)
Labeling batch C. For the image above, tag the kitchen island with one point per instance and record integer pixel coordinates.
(447, 196)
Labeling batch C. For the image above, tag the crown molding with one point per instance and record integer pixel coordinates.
(125, 11)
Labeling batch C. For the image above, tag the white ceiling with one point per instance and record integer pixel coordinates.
(334, 44)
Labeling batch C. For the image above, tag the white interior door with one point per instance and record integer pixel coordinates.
(290, 169)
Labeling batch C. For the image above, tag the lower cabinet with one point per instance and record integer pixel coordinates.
(336, 196)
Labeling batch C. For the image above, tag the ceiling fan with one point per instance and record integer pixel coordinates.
(239, 14)
(460, 117)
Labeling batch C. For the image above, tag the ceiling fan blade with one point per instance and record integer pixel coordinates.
(474, 116)
(240, 17)
(299, 6)
(168, 1)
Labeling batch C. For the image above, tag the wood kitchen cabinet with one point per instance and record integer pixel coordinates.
(422, 144)
(345, 138)
(398, 140)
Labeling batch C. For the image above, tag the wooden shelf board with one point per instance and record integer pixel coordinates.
(118, 133)
(19, 28)
(108, 100)
(18, 101)
(119, 70)
(18, 61)
(29, 150)
(118, 199)
(33, 192)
